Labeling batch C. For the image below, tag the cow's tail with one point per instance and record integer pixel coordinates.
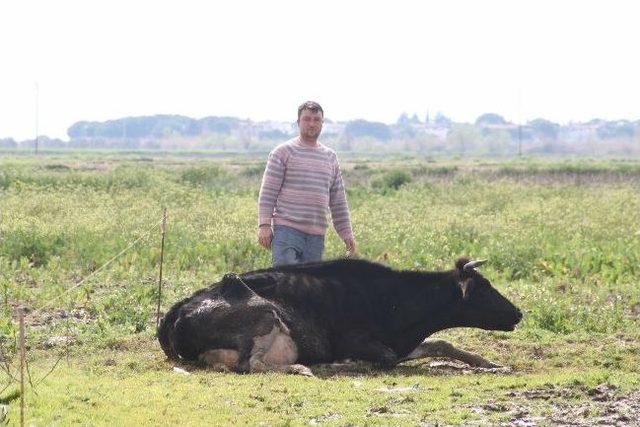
(166, 330)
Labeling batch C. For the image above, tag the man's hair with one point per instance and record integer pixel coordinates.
(311, 106)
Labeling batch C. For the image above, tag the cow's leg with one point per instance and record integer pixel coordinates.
(224, 360)
(244, 354)
(361, 346)
(378, 353)
(442, 348)
(276, 352)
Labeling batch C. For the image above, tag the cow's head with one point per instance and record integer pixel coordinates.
(482, 306)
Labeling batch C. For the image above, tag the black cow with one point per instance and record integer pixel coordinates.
(280, 318)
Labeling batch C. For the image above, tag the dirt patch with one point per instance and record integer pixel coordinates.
(59, 341)
(329, 416)
(388, 411)
(603, 405)
(76, 315)
(26, 279)
(395, 389)
(447, 367)
(437, 367)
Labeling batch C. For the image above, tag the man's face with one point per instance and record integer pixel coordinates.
(310, 124)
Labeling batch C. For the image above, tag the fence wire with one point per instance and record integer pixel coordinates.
(4, 360)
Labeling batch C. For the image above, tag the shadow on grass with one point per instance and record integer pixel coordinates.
(427, 367)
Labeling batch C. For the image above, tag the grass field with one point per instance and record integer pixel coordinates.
(562, 239)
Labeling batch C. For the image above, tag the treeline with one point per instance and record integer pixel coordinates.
(490, 134)
(162, 126)
(158, 126)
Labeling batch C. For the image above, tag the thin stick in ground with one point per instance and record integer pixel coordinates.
(22, 357)
(164, 227)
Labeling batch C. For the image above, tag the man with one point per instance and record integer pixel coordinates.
(302, 179)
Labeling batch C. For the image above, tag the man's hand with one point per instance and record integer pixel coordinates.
(265, 235)
(350, 244)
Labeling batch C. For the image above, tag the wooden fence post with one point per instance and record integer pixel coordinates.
(22, 363)
(164, 227)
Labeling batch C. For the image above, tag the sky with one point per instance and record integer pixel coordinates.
(65, 61)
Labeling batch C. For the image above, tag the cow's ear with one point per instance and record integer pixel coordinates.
(460, 263)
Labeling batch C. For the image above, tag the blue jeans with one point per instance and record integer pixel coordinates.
(291, 246)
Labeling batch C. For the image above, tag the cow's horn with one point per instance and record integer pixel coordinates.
(473, 264)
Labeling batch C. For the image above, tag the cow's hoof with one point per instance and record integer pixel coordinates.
(342, 364)
(242, 367)
(388, 361)
(386, 366)
(301, 370)
(487, 364)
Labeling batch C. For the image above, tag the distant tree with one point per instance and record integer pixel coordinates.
(618, 129)
(442, 120)
(244, 137)
(274, 134)
(222, 125)
(81, 130)
(463, 139)
(363, 128)
(404, 127)
(403, 120)
(46, 142)
(134, 127)
(157, 126)
(498, 143)
(544, 128)
(521, 132)
(9, 143)
(490, 119)
(596, 122)
(193, 128)
(345, 143)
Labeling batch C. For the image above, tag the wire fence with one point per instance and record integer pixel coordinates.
(15, 375)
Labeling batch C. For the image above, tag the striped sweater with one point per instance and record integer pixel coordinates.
(300, 182)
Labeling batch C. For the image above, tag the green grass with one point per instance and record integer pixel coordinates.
(562, 239)
(134, 385)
